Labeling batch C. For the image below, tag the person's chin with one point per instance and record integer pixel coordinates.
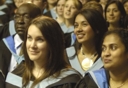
(21, 35)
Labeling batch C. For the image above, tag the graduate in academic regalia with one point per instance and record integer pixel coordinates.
(10, 46)
(45, 64)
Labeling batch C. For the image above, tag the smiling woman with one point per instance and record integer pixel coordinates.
(37, 47)
(115, 59)
(90, 26)
(114, 14)
(45, 58)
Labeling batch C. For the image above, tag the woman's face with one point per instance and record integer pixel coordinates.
(37, 47)
(83, 30)
(113, 14)
(114, 54)
(126, 7)
(60, 7)
(69, 9)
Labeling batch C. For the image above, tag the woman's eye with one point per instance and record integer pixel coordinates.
(115, 10)
(113, 47)
(40, 40)
(84, 24)
(29, 38)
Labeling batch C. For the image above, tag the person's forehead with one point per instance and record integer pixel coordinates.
(112, 38)
(24, 9)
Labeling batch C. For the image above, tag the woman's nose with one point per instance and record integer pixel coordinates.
(33, 44)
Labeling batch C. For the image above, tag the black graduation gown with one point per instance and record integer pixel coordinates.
(88, 82)
(66, 82)
(4, 31)
(5, 56)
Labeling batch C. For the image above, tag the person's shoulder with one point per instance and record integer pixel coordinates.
(72, 75)
(86, 82)
(9, 39)
(69, 78)
(4, 27)
(4, 31)
(2, 45)
(68, 82)
(16, 75)
(3, 48)
(93, 79)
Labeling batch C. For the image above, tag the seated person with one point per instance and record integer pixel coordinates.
(10, 47)
(115, 59)
(85, 54)
(45, 63)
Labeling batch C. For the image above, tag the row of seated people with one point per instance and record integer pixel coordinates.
(65, 16)
(89, 28)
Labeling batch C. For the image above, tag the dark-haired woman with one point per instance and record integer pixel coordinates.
(115, 14)
(115, 58)
(90, 26)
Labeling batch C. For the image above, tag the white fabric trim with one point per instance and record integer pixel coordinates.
(17, 81)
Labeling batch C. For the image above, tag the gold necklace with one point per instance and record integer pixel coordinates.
(87, 62)
(121, 84)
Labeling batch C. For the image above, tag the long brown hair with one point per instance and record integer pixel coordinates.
(53, 35)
